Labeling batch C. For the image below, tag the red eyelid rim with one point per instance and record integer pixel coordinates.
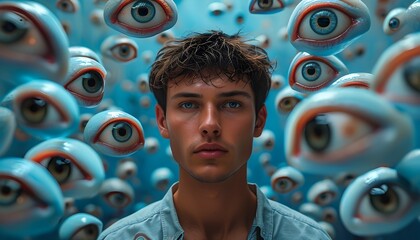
(292, 80)
(168, 13)
(375, 219)
(119, 45)
(75, 9)
(120, 149)
(26, 189)
(79, 74)
(311, 113)
(356, 84)
(294, 184)
(256, 1)
(33, 94)
(319, 202)
(384, 75)
(53, 153)
(49, 56)
(314, 7)
(106, 195)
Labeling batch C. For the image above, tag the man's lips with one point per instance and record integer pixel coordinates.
(210, 150)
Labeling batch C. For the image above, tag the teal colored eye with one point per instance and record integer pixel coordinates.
(143, 11)
(323, 22)
(311, 71)
(122, 132)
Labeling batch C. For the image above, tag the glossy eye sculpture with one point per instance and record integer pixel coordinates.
(114, 133)
(43, 109)
(140, 18)
(33, 43)
(311, 210)
(68, 6)
(126, 169)
(119, 48)
(77, 168)
(31, 202)
(116, 193)
(85, 81)
(327, 27)
(383, 200)
(308, 73)
(81, 51)
(80, 226)
(161, 178)
(265, 141)
(268, 6)
(217, 8)
(7, 130)
(151, 145)
(332, 131)
(403, 21)
(286, 179)
(323, 192)
(356, 80)
(286, 100)
(397, 74)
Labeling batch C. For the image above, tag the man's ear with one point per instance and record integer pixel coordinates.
(260, 121)
(161, 121)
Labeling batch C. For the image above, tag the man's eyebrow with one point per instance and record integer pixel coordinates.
(235, 93)
(186, 95)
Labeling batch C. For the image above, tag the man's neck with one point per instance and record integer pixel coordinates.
(215, 210)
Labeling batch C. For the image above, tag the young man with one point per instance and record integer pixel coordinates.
(210, 90)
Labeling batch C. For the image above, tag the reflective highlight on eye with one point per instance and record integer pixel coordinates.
(140, 18)
(114, 133)
(80, 226)
(308, 73)
(119, 48)
(286, 179)
(266, 6)
(326, 28)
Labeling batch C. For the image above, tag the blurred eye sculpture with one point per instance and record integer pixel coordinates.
(119, 48)
(356, 80)
(116, 193)
(43, 109)
(140, 18)
(86, 81)
(265, 141)
(34, 45)
(161, 178)
(68, 6)
(402, 21)
(323, 192)
(114, 133)
(126, 169)
(286, 179)
(325, 28)
(8, 123)
(286, 100)
(267, 6)
(308, 73)
(379, 202)
(80, 226)
(331, 132)
(77, 168)
(31, 202)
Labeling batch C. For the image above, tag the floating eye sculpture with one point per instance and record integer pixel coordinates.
(151, 145)
(327, 27)
(80, 226)
(311, 210)
(267, 6)
(332, 131)
(114, 133)
(287, 179)
(33, 45)
(217, 8)
(116, 193)
(143, 83)
(68, 6)
(31, 202)
(356, 80)
(43, 109)
(140, 18)
(85, 81)
(126, 169)
(403, 21)
(81, 51)
(323, 192)
(265, 141)
(308, 73)
(381, 201)
(77, 168)
(286, 100)
(7, 130)
(119, 48)
(161, 178)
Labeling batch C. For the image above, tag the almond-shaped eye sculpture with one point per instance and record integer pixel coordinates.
(161, 178)
(85, 80)
(403, 21)
(114, 133)
(116, 193)
(140, 18)
(356, 80)
(309, 73)
(43, 109)
(77, 168)
(267, 6)
(68, 6)
(119, 48)
(33, 45)
(80, 226)
(346, 130)
(286, 179)
(7, 130)
(31, 202)
(327, 27)
(323, 192)
(286, 100)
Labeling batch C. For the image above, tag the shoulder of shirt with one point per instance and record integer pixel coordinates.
(138, 218)
(296, 217)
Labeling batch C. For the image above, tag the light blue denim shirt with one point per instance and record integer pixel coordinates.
(160, 221)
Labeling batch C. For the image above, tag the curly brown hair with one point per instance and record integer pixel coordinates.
(209, 55)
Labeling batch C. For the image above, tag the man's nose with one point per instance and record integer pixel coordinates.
(210, 125)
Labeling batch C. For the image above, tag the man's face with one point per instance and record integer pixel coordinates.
(210, 127)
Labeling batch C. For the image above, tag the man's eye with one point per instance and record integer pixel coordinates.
(187, 105)
(232, 105)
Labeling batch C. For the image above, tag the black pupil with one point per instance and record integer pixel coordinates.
(91, 82)
(60, 164)
(9, 27)
(311, 71)
(323, 21)
(5, 190)
(143, 11)
(122, 131)
(36, 105)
